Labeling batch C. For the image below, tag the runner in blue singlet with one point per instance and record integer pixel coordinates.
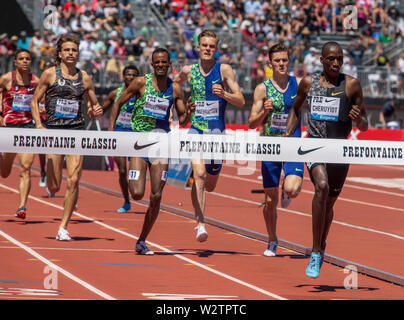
(123, 124)
(213, 85)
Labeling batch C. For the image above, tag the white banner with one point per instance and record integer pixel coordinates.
(178, 144)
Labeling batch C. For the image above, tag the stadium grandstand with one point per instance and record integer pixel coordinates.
(115, 33)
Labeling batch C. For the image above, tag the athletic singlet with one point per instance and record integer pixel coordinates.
(125, 114)
(17, 101)
(210, 108)
(63, 102)
(329, 110)
(282, 103)
(152, 110)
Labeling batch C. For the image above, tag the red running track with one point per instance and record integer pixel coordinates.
(100, 263)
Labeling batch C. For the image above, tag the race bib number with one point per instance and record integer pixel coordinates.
(22, 102)
(207, 110)
(67, 109)
(278, 122)
(324, 108)
(156, 107)
(124, 119)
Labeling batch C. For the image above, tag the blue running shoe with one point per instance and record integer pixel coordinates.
(271, 250)
(313, 269)
(141, 248)
(125, 208)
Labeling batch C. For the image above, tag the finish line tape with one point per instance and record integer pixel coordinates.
(237, 146)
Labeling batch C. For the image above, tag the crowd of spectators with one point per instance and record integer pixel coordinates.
(111, 36)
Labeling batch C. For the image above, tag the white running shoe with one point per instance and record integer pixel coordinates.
(271, 250)
(50, 194)
(42, 180)
(63, 235)
(201, 234)
(285, 200)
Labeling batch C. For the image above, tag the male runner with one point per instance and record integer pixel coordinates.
(65, 87)
(130, 72)
(272, 101)
(155, 94)
(17, 88)
(212, 86)
(344, 93)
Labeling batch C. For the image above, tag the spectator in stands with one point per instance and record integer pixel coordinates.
(147, 31)
(35, 45)
(86, 50)
(12, 45)
(400, 69)
(309, 61)
(23, 41)
(124, 8)
(385, 38)
(191, 53)
(350, 68)
(100, 48)
(172, 49)
(388, 115)
(129, 26)
(120, 50)
(356, 51)
(110, 8)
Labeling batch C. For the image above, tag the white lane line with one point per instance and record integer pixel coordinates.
(308, 179)
(311, 192)
(56, 267)
(309, 216)
(221, 274)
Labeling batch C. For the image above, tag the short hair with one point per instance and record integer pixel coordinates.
(63, 39)
(279, 47)
(20, 51)
(208, 33)
(328, 45)
(130, 67)
(160, 50)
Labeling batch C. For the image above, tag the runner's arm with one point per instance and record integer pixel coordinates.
(109, 100)
(40, 90)
(183, 75)
(235, 97)
(258, 111)
(358, 111)
(294, 113)
(94, 108)
(182, 111)
(134, 87)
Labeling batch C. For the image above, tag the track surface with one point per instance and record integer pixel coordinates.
(100, 263)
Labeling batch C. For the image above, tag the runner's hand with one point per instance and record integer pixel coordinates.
(217, 89)
(355, 114)
(190, 106)
(95, 111)
(268, 106)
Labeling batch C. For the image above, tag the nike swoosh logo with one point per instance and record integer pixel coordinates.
(166, 97)
(327, 101)
(75, 83)
(137, 147)
(302, 152)
(216, 81)
(30, 89)
(336, 93)
(294, 96)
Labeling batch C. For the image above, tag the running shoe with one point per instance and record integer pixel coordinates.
(63, 235)
(21, 213)
(125, 208)
(42, 180)
(50, 194)
(141, 248)
(201, 234)
(313, 269)
(285, 200)
(271, 250)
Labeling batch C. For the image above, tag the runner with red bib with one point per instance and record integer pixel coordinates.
(17, 88)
